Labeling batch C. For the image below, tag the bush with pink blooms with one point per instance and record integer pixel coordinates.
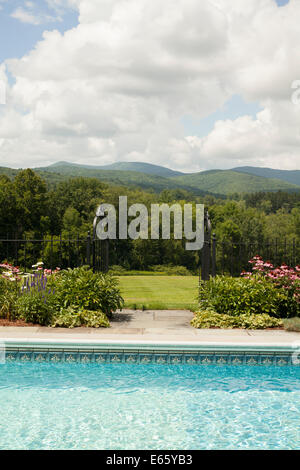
(260, 298)
(285, 278)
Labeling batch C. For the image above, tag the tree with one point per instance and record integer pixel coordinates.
(8, 213)
(30, 194)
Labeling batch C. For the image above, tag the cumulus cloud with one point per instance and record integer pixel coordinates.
(116, 86)
(32, 13)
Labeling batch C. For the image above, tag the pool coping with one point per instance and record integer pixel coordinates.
(23, 350)
(146, 345)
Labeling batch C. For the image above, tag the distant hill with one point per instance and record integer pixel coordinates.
(50, 178)
(291, 176)
(229, 181)
(10, 172)
(118, 177)
(139, 167)
(216, 182)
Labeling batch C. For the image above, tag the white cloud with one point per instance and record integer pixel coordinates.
(116, 86)
(32, 13)
(25, 16)
(31, 16)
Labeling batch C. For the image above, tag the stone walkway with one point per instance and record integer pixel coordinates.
(155, 326)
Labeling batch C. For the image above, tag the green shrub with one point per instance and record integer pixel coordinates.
(210, 319)
(236, 296)
(83, 289)
(171, 270)
(8, 299)
(36, 307)
(292, 324)
(286, 279)
(72, 318)
(74, 297)
(117, 270)
(143, 273)
(289, 305)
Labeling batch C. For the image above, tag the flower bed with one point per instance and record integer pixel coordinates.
(261, 298)
(67, 298)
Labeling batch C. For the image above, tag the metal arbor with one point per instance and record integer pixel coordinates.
(100, 248)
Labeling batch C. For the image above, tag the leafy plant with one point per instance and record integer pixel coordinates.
(117, 270)
(21, 293)
(236, 296)
(37, 306)
(211, 319)
(284, 278)
(70, 317)
(292, 324)
(81, 288)
(171, 270)
(74, 297)
(8, 299)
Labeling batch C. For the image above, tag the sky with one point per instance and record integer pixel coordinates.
(181, 83)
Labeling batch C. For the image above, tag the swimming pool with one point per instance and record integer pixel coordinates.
(92, 405)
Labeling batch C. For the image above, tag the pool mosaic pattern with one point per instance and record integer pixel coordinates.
(151, 357)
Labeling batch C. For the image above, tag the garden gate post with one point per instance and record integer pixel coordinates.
(213, 255)
(100, 248)
(88, 249)
(206, 250)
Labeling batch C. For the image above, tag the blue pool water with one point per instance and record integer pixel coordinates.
(120, 406)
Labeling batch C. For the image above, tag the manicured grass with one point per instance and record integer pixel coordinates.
(159, 292)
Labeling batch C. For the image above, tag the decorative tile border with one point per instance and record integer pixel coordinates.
(104, 356)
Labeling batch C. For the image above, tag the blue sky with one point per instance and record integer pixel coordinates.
(236, 106)
(18, 37)
(112, 97)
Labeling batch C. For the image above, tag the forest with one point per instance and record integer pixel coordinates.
(61, 215)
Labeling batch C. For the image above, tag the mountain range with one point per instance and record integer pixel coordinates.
(156, 178)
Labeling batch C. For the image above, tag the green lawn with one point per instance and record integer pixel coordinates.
(159, 292)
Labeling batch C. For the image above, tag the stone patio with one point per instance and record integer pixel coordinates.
(155, 326)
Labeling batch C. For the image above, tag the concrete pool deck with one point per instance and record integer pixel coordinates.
(156, 326)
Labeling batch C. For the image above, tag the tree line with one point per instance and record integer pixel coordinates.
(31, 209)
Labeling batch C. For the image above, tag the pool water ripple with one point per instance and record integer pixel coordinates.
(120, 406)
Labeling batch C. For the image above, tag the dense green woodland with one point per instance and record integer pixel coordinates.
(33, 209)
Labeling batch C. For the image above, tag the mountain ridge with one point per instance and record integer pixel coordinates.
(140, 167)
(230, 181)
(213, 182)
(291, 176)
